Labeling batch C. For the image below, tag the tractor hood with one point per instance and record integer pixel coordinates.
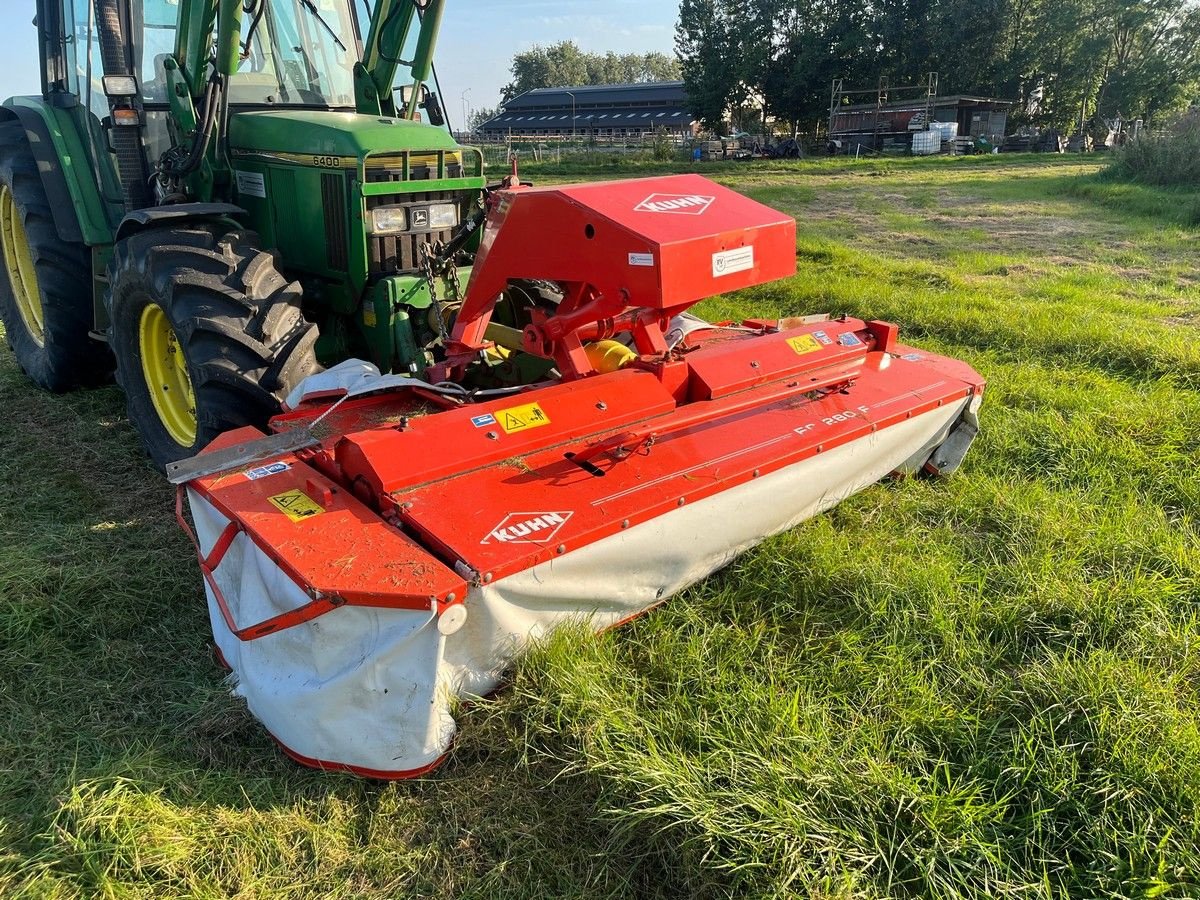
(331, 134)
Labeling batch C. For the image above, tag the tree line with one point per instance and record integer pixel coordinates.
(1063, 61)
(564, 65)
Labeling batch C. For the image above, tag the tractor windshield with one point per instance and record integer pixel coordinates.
(294, 52)
(297, 53)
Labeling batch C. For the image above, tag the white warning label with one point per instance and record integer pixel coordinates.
(728, 262)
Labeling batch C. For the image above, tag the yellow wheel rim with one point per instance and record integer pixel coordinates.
(18, 263)
(167, 377)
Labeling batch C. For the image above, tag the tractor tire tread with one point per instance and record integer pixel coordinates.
(239, 322)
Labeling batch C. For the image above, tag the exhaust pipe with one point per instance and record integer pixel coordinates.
(126, 135)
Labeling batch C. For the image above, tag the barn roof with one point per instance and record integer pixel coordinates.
(595, 94)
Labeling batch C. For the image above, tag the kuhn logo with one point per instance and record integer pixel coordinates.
(528, 528)
(681, 204)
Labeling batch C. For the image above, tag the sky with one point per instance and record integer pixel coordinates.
(479, 38)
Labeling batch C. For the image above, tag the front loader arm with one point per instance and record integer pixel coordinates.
(193, 38)
(201, 24)
(207, 30)
(392, 22)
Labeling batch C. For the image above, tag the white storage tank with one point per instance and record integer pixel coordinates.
(926, 143)
(948, 130)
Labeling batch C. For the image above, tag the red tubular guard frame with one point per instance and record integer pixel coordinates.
(209, 565)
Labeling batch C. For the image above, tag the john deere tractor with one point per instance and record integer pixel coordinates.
(213, 198)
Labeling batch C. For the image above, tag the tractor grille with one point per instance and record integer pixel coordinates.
(337, 229)
(400, 253)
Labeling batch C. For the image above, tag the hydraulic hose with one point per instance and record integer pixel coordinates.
(204, 133)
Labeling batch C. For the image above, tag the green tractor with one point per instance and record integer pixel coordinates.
(214, 198)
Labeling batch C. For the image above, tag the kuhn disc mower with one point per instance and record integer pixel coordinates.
(417, 534)
(259, 220)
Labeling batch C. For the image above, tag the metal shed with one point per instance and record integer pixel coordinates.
(874, 123)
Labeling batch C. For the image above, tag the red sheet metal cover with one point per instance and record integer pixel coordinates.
(433, 448)
(324, 538)
(529, 508)
(668, 242)
(727, 367)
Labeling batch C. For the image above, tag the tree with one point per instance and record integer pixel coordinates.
(481, 116)
(1061, 60)
(820, 40)
(565, 65)
(969, 51)
(706, 44)
(658, 67)
(1151, 61)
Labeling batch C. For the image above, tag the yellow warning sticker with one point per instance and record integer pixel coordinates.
(804, 345)
(297, 505)
(522, 418)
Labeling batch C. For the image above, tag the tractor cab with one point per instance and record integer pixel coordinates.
(291, 54)
(287, 54)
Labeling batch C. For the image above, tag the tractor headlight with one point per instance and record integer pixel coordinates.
(120, 86)
(389, 220)
(398, 219)
(437, 217)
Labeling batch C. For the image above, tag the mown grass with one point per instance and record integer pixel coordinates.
(978, 687)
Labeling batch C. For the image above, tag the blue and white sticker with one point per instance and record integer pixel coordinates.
(850, 340)
(913, 357)
(823, 338)
(483, 421)
(267, 471)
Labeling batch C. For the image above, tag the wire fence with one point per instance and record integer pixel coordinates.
(499, 150)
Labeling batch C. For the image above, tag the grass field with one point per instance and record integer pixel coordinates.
(986, 686)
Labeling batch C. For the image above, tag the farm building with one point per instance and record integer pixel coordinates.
(611, 110)
(870, 123)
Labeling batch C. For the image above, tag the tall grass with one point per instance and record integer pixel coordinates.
(1168, 158)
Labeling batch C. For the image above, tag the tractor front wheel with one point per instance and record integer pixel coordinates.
(208, 336)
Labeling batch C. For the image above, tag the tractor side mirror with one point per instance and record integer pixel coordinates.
(429, 102)
(433, 107)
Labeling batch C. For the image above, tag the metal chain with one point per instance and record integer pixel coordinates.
(427, 270)
(455, 284)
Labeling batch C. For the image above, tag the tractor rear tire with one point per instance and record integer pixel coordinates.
(46, 285)
(207, 334)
